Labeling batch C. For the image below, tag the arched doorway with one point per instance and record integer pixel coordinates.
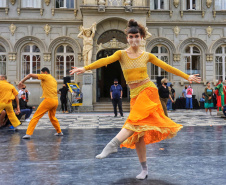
(113, 40)
(106, 76)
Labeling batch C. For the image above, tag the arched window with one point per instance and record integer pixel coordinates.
(159, 4)
(220, 4)
(220, 60)
(31, 60)
(65, 59)
(31, 4)
(2, 60)
(192, 60)
(163, 54)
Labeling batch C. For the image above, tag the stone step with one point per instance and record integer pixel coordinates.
(108, 107)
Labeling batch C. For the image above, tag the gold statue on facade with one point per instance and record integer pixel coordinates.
(87, 35)
(143, 41)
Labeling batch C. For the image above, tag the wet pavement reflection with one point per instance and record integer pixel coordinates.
(197, 155)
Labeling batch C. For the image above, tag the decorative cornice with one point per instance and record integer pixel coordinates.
(209, 57)
(12, 57)
(47, 57)
(112, 44)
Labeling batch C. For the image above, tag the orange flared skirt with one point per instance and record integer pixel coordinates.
(147, 118)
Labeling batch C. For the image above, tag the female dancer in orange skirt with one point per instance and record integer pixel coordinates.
(147, 122)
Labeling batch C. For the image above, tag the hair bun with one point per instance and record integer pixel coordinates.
(132, 23)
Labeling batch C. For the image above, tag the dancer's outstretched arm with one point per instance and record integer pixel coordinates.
(35, 76)
(99, 63)
(192, 78)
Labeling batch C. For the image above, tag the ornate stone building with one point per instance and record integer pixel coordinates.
(188, 34)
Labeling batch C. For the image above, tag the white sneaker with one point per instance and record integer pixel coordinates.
(59, 134)
(27, 136)
(27, 120)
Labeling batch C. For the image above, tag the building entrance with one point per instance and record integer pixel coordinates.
(106, 76)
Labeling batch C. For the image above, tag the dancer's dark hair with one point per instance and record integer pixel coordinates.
(45, 69)
(133, 27)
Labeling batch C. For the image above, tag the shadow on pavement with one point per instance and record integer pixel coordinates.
(132, 181)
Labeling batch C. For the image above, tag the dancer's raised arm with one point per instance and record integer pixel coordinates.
(99, 63)
(192, 78)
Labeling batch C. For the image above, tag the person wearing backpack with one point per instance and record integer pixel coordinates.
(189, 93)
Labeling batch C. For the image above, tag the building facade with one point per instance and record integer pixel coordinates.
(187, 34)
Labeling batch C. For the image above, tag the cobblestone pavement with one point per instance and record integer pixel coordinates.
(107, 120)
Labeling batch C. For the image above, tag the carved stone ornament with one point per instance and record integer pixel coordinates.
(6, 11)
(18, 11)
(176, 57)
(47, 57)
(47, 29)
(209, 57)
(12, 29)
(101, 2)
(12, 57)
(209, 31)
(176, 30)
(127, 3)
(114, 43)
(176, 3)
(208, 3)
(13, 2)
(47, 2)
(53, 11)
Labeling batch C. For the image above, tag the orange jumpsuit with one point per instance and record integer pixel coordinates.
(7, 94)
(49, 104)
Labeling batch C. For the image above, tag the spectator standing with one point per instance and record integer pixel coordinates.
(116, 97)
(208, 98)
(63, 98)
(189, 93)
(220, 95)
(164, 95)
(184, 91)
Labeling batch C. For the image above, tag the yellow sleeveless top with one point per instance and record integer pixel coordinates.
(135, 70)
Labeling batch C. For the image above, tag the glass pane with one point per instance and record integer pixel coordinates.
(2, 49)
(25, 65)
(156, 4)
(163, 72)
(69, 49)
(70, 4)
(218, 4)
(37, 4)
(155, 49)
(59, 72)
(219, 50)
(115, 2)
(60, 49)
(35, 49)
(2, 3)
(195, 50)
(219, 67)
(27, 48)
(154, 71)
(69, 64)
(188, 5)
(2, 65)
(187, 50)
(164, 50)
(162, 5)
(187, 65)
(195, 64)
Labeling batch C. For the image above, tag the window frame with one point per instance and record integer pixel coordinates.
(223, 4)
(64, 54)
(159, 55)
(159, 6)
(65, 5)
(190, 54)
(31, 2)
(223, 55)
(4, 53)
(6, 1)
(31, 54)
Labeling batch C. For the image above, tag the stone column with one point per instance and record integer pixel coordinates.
(87, 90)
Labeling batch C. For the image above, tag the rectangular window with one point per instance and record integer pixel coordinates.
(31, 4)
(2, 3)
(64, 3)
(220, 4)
(193, 4)
(3, 64)
(159, 4)
(115, 3)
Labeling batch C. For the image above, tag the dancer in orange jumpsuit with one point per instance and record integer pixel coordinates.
(49, 104)
(147, 122)
(7, 94)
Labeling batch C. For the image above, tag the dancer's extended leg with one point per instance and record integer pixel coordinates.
(113, 145)
(141, 152)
